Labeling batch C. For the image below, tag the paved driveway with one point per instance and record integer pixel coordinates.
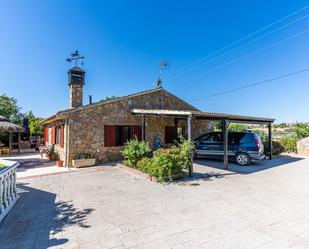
(31, 164)
(264, 206)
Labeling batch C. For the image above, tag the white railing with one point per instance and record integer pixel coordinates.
(8, 194)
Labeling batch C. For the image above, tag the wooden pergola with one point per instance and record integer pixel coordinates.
(226, 119)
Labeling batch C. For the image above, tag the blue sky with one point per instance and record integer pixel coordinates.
(124, 41)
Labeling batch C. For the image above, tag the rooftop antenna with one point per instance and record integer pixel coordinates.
(75, 56)
(163, 66)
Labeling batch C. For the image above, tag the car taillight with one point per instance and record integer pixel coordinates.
(257, 143)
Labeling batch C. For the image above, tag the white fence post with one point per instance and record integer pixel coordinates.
(8, 193)
(1, 192)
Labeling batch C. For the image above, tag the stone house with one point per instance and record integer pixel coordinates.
(102, 128)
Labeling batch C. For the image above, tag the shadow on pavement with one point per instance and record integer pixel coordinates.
(36, 220)
(204, 165)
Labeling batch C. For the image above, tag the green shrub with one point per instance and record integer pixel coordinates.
(185, 149)
(281, 145)
(277, 148)
(289, 144)
(144, 165)
(165, 164)
(134, 151)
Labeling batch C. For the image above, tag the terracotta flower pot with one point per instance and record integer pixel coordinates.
(59, 163)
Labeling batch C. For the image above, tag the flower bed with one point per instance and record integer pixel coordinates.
(165, 164)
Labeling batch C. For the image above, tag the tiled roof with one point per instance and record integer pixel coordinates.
(63, 112)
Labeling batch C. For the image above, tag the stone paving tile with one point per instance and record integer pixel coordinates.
(110, 209)
(130, 239)
(91, 245)
(111, 242)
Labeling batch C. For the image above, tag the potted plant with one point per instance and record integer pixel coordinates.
(59, 162)
(51, 153)
(83, 160)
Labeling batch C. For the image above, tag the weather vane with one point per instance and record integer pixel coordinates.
(75, 57)
(163, 66)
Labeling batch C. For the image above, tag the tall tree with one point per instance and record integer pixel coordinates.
(35, 123)
(10, 109)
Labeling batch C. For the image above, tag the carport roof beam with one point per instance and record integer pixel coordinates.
(203, 115)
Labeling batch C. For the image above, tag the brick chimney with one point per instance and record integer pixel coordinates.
(76, 83)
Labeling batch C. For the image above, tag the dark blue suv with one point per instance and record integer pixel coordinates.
(242, 146)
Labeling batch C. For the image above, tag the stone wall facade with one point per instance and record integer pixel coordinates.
(303, 147)
(76, 95)
(86, 124)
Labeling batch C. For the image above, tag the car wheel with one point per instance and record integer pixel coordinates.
(243, 159)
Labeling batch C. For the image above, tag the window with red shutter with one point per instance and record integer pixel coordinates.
(109, 135)
(138, 132)
(170, 134)
(118, 135)
(62, 136)
(53, 135)
(45, 134)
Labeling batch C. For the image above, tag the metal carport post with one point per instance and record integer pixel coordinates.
(190, 138)
(225, 124)
(270, 141)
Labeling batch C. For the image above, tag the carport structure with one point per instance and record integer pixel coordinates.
(226, 119)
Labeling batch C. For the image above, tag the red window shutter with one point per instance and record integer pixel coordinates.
(53, 135)
(62, 136)
(45, 134)
(138, 132)
(170, 134)
(109, 135)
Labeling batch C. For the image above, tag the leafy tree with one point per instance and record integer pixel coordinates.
(34, 123)
(35, 126)
(281, 125)
(232, 127)
(10, 109)
(217, 126)
(109, 98)
(302, 130)
(237, 127)
(30, 115)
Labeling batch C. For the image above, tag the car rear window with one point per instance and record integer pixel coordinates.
(245, 138)
(258, 138)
